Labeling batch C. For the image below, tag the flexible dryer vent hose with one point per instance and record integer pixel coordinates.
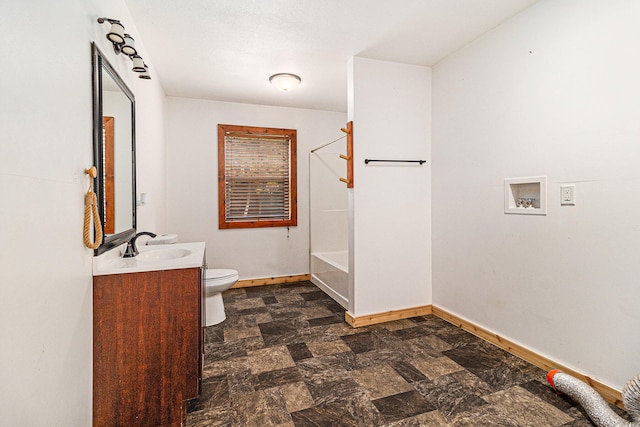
(596, 407)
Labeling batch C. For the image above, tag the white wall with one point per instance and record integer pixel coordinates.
(390, 105)
(192, 184)
(555, 92)
(45, 271)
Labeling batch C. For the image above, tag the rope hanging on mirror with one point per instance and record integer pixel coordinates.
(91, 209)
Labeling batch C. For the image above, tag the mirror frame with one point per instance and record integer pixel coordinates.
(99, 64)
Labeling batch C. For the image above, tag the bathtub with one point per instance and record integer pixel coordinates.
(330, 272)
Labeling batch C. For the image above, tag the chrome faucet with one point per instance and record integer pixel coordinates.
(132, 250)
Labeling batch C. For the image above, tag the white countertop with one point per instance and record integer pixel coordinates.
(111, 262)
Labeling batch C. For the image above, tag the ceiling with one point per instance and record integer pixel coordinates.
(225, 50)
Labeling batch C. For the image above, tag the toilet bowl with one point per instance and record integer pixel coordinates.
(216, 282)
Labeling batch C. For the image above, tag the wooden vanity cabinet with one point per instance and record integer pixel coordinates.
(148, 332)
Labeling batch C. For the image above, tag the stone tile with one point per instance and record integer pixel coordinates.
(380, 381)
(224, 366)
(318, 370)
(355, 410)
(299, 351)
(253, 310)
(277, 378)
(436, 367)
(270, 359)
(435, 343)
(341, 329)
(270, 299)
(526, 409)
(377, 357)
(486, 415)
(214, 334)
(503, 376)
(317, 334)
(449, 396)
(259, 318)
(332, 391)
(431, 419)
(241, 382)
(233, 334)
(397, 325)
(363, 342)
(234, 320)
(233, 295)
(475, 358)
(290, 298)
(281, 332)
(315, 312)
(325, 415)
(221, 351)
(413, 332)
(456, 337)
(321, 321)
(419, 347)
(334, 307)
(363, 410)
(260, 291)
(348, 360)
(407, 371)
(260, 408)
(404, 405)
(286, 313)
(252, 343)
(327, 348)
(471, 382)
(215, 392)
(297, 396)
(245, 304)
(313, 296)
(218, 416)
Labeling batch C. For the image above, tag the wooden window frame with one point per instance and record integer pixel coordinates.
(223, 129)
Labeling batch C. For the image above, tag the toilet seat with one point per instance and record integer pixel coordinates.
(219, 273)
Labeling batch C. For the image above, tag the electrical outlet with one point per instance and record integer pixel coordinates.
(568, 194)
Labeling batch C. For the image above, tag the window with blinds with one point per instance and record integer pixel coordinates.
(256, 177)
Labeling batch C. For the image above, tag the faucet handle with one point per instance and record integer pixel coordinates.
(132, 249)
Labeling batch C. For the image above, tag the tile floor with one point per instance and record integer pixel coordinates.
(285, 357)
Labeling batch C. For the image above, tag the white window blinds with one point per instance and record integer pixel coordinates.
(258, 174)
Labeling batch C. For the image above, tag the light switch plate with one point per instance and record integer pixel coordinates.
(568, 194)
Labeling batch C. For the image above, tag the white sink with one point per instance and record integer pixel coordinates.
(163, 254)
(150, 258)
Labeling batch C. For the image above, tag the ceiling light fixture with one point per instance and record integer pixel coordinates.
(124, 43)
(285, 81)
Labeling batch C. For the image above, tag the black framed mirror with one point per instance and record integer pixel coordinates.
(114, 153)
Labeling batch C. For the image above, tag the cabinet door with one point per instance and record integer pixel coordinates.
(126, 362)
(180, 318)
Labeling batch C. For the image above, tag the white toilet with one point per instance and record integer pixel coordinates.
(216, 282)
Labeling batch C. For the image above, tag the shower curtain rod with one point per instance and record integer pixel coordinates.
(328, 143)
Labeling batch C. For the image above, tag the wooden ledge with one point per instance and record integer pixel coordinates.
(388, 316)
(271, 281)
